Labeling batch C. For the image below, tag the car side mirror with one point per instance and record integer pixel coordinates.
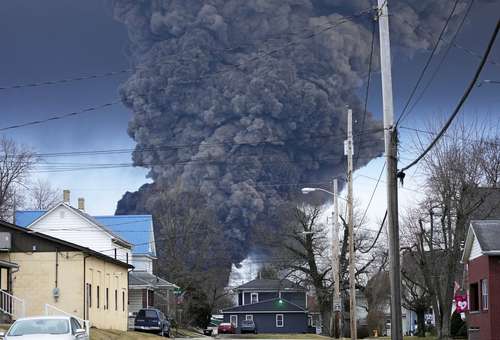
(80, 332)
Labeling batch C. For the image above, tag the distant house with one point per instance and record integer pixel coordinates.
(40, 273)
(482, 263)
(74, 225)
(276, 306)
(128, 238)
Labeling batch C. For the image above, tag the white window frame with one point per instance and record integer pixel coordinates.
(282, 321)
(231, 317)
(249, 317)
(484, 295)
(251, 297)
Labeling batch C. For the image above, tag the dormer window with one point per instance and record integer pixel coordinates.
(254, 297)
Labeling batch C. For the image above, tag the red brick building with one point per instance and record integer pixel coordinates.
(482, 260)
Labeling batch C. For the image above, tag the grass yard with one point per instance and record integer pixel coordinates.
(278, 336)
(99, 334)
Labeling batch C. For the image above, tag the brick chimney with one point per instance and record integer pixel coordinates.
(66, 196)
(81, 204)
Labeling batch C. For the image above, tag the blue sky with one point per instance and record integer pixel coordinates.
(45, 40)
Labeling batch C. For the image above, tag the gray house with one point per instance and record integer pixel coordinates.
(276, 306)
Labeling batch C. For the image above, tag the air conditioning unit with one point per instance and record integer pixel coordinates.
(5, 241)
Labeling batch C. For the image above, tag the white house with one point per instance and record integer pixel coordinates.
(128, 238)
(74, 225)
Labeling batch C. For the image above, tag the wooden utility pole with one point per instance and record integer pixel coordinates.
(350, 222)
(390, 138)
(336, 302)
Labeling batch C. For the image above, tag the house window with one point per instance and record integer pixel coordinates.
(123, 301)
(474, 297)
(234, 320)
(484, 294)
(98, 297)
(280, 321)
(106, 306)
(116, 299)
(254, 297)
(249, 317)
(89, 292)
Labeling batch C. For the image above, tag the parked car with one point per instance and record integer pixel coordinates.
(226, 328)
(46, 328)
(153, 321)
(248, 326)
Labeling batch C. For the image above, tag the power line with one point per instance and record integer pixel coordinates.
(163, 147)
(460, 103)
(65, 80)
(194, 161)
(461, 138)
(367, 93)
(61, 116)
(263, 54)
(376, 238)
(427, 63)
(129, 70)
(443, 58)
(373, 193)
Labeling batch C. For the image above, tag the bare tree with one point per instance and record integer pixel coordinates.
(455, 170)
(42, 196)
(191, 252)
(302, 247)
(15, 163)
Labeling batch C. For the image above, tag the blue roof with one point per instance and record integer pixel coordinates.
(25, 217)
(135, 229)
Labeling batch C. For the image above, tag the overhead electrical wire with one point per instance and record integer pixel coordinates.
(427, 64)
(460, 103)
(443, 58)
(367, 92)
(60, 116)
(184, 60)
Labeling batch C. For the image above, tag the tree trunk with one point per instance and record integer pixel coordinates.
(420, 323)
(445, 324)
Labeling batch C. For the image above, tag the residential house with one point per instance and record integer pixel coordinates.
(145, 288)
(482, 264)
(128, 238)
(276, 306)
(74, 225)
(41, 273)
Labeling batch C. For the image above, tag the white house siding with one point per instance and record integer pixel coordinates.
(67, 225)
(475, 250)
(134, 300)
(142, 263)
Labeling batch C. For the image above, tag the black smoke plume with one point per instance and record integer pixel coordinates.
(245, 100)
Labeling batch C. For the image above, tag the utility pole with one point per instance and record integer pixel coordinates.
(336, 301)
(350, 222)
(390, 138)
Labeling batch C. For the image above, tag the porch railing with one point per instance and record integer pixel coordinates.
(52, 310)
(12, 305)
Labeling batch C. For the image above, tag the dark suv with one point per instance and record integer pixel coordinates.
(152, 320)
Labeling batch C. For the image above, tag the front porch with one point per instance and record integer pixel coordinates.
(11, 307)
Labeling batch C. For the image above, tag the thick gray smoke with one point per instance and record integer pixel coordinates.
(244, 120)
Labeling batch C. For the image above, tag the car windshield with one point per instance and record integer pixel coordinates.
(247, 323)
(39, 326)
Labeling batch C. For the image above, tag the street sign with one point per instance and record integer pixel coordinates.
(337, 305)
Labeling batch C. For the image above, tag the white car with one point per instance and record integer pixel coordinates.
(46, 327)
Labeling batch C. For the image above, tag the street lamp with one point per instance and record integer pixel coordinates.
(336, 302)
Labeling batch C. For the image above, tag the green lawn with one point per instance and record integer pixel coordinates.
(99, 334)
(279, 336)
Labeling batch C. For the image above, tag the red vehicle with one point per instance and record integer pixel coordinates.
(226, 328)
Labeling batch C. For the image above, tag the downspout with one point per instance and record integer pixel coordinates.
(84, 286)
(57, 265)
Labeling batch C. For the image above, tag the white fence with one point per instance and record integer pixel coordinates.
(51, 310)
(12, 305)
